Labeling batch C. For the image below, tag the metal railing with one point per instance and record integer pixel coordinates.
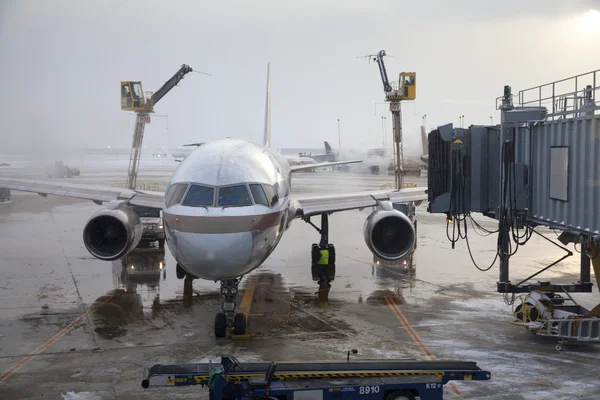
(572, 330)
(574, 95)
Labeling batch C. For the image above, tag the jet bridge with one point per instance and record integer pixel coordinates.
(539, 167)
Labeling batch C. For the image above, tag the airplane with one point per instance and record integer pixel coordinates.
(225, 209)
(294, 161)
(180, 154)
(328, 156)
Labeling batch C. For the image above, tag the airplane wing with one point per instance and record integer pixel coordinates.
(321, 165)
(98, 194)
(307, 207)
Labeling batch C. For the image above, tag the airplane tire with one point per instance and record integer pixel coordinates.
(220, 325)
(315, 253)
(330, 272)
(239, 324)
(179, 272)
(315, 271)
(331, 249)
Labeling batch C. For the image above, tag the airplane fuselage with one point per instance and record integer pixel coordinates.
(217, 223)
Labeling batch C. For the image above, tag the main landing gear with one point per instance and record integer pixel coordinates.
(228, 318)
(323, 259)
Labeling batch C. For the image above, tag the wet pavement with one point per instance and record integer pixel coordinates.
(72, 324)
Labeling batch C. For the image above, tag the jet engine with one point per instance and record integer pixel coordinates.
(112, 232)
(389, 234)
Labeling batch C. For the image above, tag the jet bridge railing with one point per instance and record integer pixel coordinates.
(574, 96)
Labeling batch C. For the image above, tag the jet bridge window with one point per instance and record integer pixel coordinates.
(199, 196)
(259, 194)
(234, 196)
(175, 194)
(559, 173)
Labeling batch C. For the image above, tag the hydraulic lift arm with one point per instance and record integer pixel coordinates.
(142, 117)
(384, 78)
(170, 84)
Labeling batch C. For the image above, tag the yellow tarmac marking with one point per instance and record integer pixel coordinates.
(246, 303)
(415, 336)
(12, 370)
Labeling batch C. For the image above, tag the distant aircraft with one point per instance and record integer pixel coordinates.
(381, 160)
(299, 160)
(159, 153)
(181, 154)
(225, 210)
(329, 155)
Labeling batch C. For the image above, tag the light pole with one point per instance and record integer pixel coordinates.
(462, 120)
(425, 122)
(339, 136)
(491, 121)
(383, 121)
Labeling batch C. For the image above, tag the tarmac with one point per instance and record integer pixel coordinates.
(75, 327)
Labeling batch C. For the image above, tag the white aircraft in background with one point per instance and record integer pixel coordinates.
(180, 154)
(381, 160)
(295, 161)
(225, 210)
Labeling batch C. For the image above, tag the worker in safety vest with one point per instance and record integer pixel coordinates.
(324, 259)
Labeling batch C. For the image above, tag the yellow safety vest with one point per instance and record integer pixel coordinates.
(324, 260)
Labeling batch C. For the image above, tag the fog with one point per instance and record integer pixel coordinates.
(62, 62)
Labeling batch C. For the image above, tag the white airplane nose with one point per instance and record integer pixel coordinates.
(212, 256)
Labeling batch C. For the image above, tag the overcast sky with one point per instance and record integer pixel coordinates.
(62, 61)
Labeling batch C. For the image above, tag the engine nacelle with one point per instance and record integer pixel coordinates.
(389, 234)
(113, 232)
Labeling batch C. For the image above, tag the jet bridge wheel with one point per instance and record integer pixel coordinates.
(220, 325)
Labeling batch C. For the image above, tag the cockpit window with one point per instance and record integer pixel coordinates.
(234, 196)
(175, 194)
(271, 195)
(259, 194)
(199, 196)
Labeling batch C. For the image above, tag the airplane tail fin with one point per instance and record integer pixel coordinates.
(267, 133)
(424, 141)
(328, 149)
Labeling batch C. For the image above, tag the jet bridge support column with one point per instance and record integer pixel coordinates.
(584, 273)
(504, 230)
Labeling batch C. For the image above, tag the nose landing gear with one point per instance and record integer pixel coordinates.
(323, 259)
(228, 318)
